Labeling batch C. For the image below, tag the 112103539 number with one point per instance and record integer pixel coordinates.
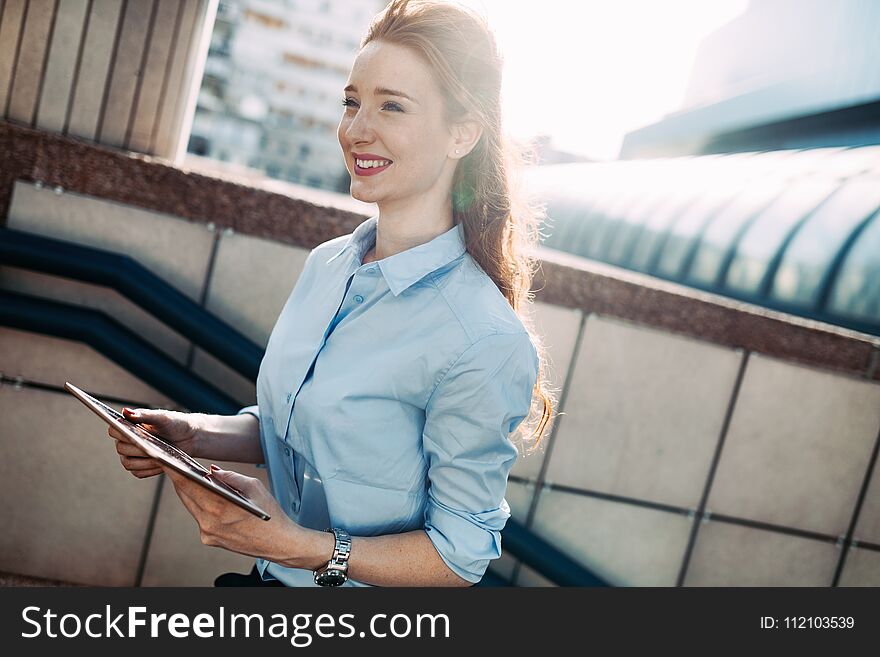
(818, 622)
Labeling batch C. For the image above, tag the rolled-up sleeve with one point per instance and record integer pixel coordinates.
(251, 410)
(484, 395)
(255, 411)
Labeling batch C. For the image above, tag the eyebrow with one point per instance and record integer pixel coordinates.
(384, 91)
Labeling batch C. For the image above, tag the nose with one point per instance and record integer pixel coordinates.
(359, 129)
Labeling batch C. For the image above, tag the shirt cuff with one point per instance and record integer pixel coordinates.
(466, 541)
(255, 411)
(252, 410)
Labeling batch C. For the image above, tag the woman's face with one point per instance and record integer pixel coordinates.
(379, 123)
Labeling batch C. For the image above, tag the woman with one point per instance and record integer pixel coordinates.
(399, 367)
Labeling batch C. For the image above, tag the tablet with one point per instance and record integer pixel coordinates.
(170, 455)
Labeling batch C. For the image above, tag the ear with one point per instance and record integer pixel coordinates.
(465, 135)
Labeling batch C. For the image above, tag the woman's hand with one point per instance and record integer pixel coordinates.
(179, 429)
(226, 525)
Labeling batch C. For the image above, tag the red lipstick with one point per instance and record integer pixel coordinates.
(372, 171)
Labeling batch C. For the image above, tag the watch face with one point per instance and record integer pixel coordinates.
(331, 577)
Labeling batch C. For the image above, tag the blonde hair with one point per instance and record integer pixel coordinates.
(500, 224)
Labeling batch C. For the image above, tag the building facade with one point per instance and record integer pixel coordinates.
(784, 74)
(272, 90)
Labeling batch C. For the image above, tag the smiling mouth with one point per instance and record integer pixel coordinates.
(371, 170)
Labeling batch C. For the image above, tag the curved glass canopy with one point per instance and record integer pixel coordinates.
(794, 230)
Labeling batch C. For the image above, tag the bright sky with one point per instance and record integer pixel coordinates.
(588, 71)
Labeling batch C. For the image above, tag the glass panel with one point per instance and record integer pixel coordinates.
(808, 161)
(686, 231)
(563, 219)
(653, 194)
(555, 179)
(774, 163)
(653, 199)
(579, 243)
(790, 163)
(723, 230)
(856, 292)
(852, 161)
(613, 221)
(766, 234)
(679, 183)
(618, 249)
(605, 232)
(718, 182)
(614, 193)
(656, 227)
(634, 219)
(620, 195)
(554, 186)
(813, 248)
(580, 228)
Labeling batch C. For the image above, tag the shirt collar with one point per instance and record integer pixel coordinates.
(407, 267)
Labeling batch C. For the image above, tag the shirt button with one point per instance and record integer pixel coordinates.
(287, 451)
(359, 298)
(289, 395)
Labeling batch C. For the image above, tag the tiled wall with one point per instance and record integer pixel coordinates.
(119, 73)
(676, 461)
(679, 462)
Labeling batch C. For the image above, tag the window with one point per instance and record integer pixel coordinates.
(199, 145)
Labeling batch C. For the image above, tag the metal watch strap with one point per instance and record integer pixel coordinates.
(338, 562)
(342, 549)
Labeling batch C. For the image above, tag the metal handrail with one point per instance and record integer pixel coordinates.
(118, 343)
(140, 286)
(546, 558)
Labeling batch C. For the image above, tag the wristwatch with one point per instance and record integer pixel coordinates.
(335, 573)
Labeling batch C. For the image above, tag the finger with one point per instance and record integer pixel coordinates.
(118, 435)
(234, 479)
(143, 474)
(128, 449)
(136, 463)
(207, 502)
(143, 415)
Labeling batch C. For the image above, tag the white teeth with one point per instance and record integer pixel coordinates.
(369, 164)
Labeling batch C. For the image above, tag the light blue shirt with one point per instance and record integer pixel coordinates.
(386, 397)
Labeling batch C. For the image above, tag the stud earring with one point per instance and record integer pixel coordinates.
(456, 150)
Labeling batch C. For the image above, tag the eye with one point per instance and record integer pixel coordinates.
(391, 105)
